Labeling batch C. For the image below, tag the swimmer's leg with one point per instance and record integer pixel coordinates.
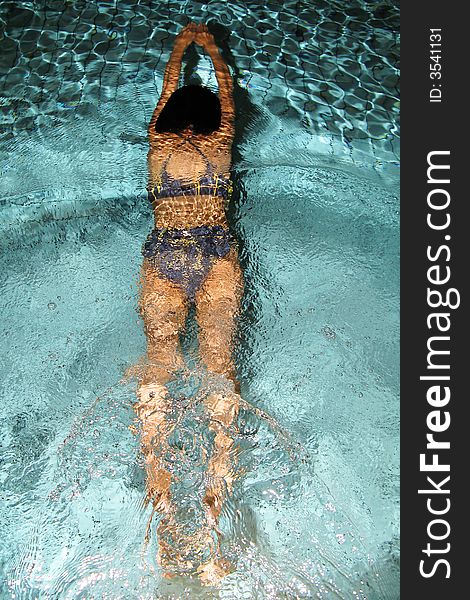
(164, 308)
(217, 306)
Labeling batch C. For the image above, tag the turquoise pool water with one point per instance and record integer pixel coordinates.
(316, 212)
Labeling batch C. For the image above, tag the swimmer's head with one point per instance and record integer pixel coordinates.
(191, 106)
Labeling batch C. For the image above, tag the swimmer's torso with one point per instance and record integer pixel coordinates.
(189, 179)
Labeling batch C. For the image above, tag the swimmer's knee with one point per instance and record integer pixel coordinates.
(163, 315)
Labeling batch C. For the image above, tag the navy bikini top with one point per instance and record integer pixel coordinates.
(210, 184)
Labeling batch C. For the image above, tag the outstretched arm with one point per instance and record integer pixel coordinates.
(224, 79)
(172, 70)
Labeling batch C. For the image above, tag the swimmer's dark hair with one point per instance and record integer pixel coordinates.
(190, 105)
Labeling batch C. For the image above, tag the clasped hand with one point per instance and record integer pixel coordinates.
(198, 34)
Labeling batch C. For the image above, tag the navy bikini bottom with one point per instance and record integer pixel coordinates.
(185, 256)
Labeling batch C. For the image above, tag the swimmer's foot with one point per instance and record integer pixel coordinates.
(214, 570)
(179, 552)
(182, 555)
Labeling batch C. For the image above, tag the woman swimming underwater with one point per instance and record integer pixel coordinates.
(190, 257)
